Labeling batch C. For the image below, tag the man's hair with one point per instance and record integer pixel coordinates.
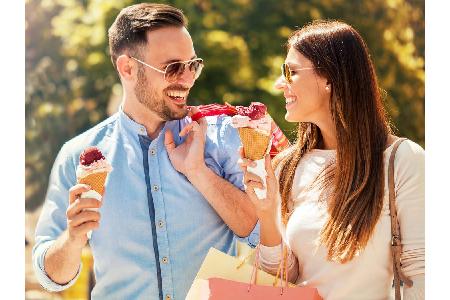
(129, 31)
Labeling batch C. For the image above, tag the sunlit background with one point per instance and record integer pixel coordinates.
(71, 84)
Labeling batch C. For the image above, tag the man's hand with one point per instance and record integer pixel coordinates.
(80, 220)
(188, 157)
(63, 257)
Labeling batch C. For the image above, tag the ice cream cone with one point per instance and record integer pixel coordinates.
(255, 143)
(96, 181)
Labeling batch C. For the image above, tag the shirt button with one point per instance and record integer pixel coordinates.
(142, 130)
(155, 188)
(165, 260)
(160, 223)
(168, 297)
(152, 151)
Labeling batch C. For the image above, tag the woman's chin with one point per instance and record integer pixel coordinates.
(290, 118)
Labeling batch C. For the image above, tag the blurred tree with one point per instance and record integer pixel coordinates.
(70, 78)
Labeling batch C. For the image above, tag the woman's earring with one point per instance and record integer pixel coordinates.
(327, 88)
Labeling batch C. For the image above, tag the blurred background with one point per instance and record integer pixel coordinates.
(71, 84)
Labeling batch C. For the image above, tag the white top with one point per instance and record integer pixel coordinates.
(369, 275)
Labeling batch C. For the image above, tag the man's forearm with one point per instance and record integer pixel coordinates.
(62, 260)
(230, 203)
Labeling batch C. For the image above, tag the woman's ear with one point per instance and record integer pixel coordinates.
(328, 87)
(125, 66)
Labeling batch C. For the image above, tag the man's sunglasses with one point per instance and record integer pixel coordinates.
(175, 70)
(287, 71)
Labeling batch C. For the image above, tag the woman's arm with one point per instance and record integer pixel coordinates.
(410, 202)
(270, 259)
(268, 212)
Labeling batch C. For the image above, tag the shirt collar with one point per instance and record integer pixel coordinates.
(135, 129)
(130, 126)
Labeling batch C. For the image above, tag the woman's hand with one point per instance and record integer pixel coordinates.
(267, 207)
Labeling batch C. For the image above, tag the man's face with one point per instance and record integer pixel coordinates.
(164, 46)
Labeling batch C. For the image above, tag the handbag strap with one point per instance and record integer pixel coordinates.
(396, 245)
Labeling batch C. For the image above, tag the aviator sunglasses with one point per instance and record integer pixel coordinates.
(287, 71)
(175, 70)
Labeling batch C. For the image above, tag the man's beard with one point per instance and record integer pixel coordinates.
(149, 97)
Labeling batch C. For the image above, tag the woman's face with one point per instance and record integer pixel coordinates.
(308, 96)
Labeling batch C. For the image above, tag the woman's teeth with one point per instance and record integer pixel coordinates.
(290, 100)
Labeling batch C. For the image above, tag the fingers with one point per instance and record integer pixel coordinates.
(77, 190)
(250, 179)
(252, 195)
(169, 143)
(241, 152)
(83, 217)
(187, 128)
(244, 162)
(80, 220)
(201, 121)
(255, 185)
(193, 126)
(192, 110)
(80, 231)
(269, 168)
(81, 203)
(193, 129)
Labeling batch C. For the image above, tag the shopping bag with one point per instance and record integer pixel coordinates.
(223, 289)
(222, 276)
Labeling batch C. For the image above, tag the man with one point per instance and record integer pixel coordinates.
(170, 196)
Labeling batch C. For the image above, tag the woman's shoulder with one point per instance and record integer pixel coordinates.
(409, 159)
(406, 150)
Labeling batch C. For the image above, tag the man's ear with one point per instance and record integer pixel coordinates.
(125, 66)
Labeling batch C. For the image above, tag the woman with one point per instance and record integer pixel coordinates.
(328, 195)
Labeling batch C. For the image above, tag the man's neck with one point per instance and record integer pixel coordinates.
(142, 115)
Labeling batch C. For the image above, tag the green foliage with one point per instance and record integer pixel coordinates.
(70, 79)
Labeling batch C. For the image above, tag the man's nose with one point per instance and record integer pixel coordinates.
(187, 78)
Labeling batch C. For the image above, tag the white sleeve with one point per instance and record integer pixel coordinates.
(270, 259)
(410, 201)
(417, 291)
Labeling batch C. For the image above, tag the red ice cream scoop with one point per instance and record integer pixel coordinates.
(90, 155)
(255, 111)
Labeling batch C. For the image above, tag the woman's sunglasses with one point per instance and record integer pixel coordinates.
(175, 70)
(287, 72)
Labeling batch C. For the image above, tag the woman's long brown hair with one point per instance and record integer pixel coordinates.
(362, 129)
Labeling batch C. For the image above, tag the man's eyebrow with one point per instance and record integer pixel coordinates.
(176, 60)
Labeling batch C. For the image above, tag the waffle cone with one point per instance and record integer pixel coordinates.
(255, 143)
(96, 181)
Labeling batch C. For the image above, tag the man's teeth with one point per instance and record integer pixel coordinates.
(290, 100)
(177, 94)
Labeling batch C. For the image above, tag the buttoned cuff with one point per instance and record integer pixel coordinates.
(270, 255)
(252, 239)
(44, 280)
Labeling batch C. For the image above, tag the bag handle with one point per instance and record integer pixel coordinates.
(282, 268)
(396, 245)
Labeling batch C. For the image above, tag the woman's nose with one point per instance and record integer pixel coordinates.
(280, 83)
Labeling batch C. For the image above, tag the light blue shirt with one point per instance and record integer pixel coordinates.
(155, 227)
